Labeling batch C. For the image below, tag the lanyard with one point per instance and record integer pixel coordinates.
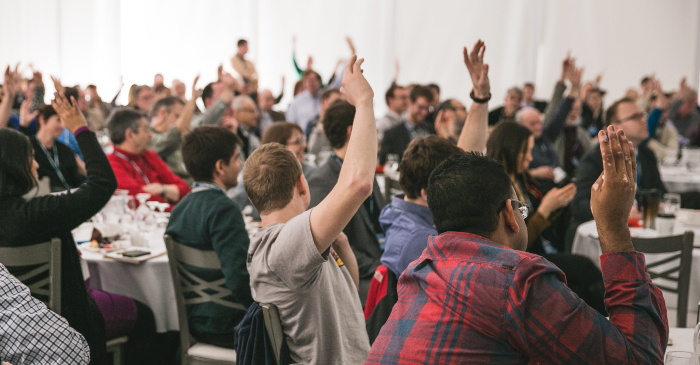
(55, 163)
(134, 165)
(200, 186)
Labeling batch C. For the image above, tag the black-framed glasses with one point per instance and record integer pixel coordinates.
(524, 208)
(635, 116)
(297, 142)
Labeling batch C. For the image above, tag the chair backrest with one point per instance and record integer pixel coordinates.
(47, 256)
(273, 326)
(391, 188)
(185, 282)
(681, 247)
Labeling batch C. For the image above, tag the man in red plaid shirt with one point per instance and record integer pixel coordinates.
(475, 296)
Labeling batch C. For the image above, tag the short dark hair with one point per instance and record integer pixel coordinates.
(611, 113)
(71, 91)
(312, 72)
(208, 91)
(506, 144)
(529, 84)
(390, 92)
(328, 93)
(160, 88)
(645, 79)
(280, 132)
(421, 157)
(421, 91)
(336, 120)
(16, 158)
(122, 119)
(269, 177)
(241, 42)
(46, 112)
(433, 86)
(91, 86)
(206, 145)
(167, 102)
(465, 194)
(518, 91)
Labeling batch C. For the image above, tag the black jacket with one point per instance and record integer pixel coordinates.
(396, 141)
(588, 172)
(361, 230)
(24, 223)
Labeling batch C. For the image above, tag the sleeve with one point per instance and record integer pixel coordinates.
(653, 122)
(31, 332)
(166, 176)
(49, 212)
(230, 241)
(673, 109)
(212, 116)
(113, 103)
(279, 97)
(553, 129)
(299, 71)
(557, 96)
(294, 258)
(38, 99)
(548, 323)
(291, 115)
(164, 144)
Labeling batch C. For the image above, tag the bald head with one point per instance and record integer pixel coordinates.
(266, 100)
(531, 119)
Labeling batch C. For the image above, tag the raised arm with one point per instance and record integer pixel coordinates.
(554, 128)
(475, 131)
(357, 174)
(559, 88)
(10, 88)
(183, 123)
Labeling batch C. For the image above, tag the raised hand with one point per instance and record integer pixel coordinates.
(574, 76)
(38, 78)
(684, 89)
(351, 45)
(396, 72)
(57, 84)
(355, 87)
(11, 84)
(25, 114)
(309, 63)
(565, 65)
(220, 72)
(612, 195)
(478, 70)
(69, 113)
(195, 91)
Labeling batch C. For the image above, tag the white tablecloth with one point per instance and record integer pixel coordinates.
(149, 282)
(587, 244)
(679, 179)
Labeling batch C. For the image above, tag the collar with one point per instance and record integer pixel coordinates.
(127, 154)
(460, 246)
(397, 203)
(198, 186)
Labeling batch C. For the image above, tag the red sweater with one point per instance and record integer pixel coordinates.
(152, 167)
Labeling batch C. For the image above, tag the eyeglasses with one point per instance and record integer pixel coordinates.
(635, 116)
(249, 110)
(524, 208)
(297, 142)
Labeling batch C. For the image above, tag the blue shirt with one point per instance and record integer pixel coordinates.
(304, 109)
(407, 227)
(68, 139)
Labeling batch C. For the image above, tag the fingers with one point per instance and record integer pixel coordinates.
(350, 64)
(624, 144)
(358, 66)
(633, 159)
(616, 150)
(606, 152)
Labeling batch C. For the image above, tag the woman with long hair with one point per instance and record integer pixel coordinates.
(511, 144)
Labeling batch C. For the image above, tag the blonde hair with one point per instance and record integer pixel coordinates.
(269, 177)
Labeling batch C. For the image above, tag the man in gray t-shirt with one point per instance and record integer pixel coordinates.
(314, 289)
(300, 261)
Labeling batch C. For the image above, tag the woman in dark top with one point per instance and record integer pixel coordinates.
(592, 112)
(26, 222)
(56, 160)
(511, 144)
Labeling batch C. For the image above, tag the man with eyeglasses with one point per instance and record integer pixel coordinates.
(246, 114)
(474, 296)
(397, 101)
(624, 114)
(170, 122)
(397, 138)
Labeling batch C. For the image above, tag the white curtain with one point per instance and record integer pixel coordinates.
(86, 41)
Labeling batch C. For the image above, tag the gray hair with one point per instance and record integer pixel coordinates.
(122, 119)
(238, 101)
(519, 113)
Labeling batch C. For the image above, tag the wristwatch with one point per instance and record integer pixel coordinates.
(162, 193)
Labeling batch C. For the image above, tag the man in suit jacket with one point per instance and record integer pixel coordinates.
(363, 227)
(396, 139)
(529, 98)
(511, 104)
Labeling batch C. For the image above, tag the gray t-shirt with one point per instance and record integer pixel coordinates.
(318, 303)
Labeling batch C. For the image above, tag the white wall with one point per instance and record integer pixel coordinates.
(86, 41)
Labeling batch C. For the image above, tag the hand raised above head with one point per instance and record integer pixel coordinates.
(612, 195)
(195, 91)
(69, 113)
(355, 87)
(478, 70)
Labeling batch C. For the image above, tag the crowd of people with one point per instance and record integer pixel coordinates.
(472, 262)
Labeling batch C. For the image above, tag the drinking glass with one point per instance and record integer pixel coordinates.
(670, 204)
(682, 358)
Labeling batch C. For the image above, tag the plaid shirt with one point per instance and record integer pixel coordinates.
(469, 300)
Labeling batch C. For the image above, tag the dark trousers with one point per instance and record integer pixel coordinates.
(140, 348)
(222, 340)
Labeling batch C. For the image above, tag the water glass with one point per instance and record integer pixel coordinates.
(682, 358)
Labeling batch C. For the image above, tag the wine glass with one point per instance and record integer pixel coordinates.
(163, 216)
(142, 210)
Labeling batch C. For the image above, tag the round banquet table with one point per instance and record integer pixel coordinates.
(586, 243)
(682, 339)
(149, 282)
(679, 179)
